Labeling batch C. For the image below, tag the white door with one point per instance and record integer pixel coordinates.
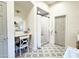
(60, 30)
(3, 30)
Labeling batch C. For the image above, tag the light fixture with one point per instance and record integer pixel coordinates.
(39, 12)
(17, 11)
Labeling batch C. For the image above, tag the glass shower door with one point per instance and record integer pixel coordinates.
(45, 37)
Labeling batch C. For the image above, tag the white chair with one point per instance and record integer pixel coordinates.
(24, 41)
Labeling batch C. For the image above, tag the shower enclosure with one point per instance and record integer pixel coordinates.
(43, 20)
(44, 30)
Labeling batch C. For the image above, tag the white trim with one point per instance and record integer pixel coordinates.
(10, 29)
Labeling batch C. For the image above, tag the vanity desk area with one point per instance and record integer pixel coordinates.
(22, 37)
(22, 43)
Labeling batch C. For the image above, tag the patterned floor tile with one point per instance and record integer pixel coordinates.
(28, 55)
(53, 54)
(47, 50)
(34, 55)
(41, 55)
(47, 55)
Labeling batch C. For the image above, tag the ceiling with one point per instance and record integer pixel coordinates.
(49, 3)
(23, 8)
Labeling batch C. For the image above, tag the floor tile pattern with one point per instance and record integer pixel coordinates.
(48, 50)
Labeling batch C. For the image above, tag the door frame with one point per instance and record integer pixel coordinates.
(65, 27)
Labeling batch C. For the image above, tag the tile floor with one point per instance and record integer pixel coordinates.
(48, 50)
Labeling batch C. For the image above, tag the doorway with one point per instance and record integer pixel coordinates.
(24, 27)
(60, 30)
(43, 27)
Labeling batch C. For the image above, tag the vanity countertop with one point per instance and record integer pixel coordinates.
(18, 34)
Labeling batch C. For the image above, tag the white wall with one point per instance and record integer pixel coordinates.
(24, 7)
(10, 29)
(70, 9)
(23, 14)
(31, 19)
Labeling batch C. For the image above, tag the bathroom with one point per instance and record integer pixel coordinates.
(38, 28)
